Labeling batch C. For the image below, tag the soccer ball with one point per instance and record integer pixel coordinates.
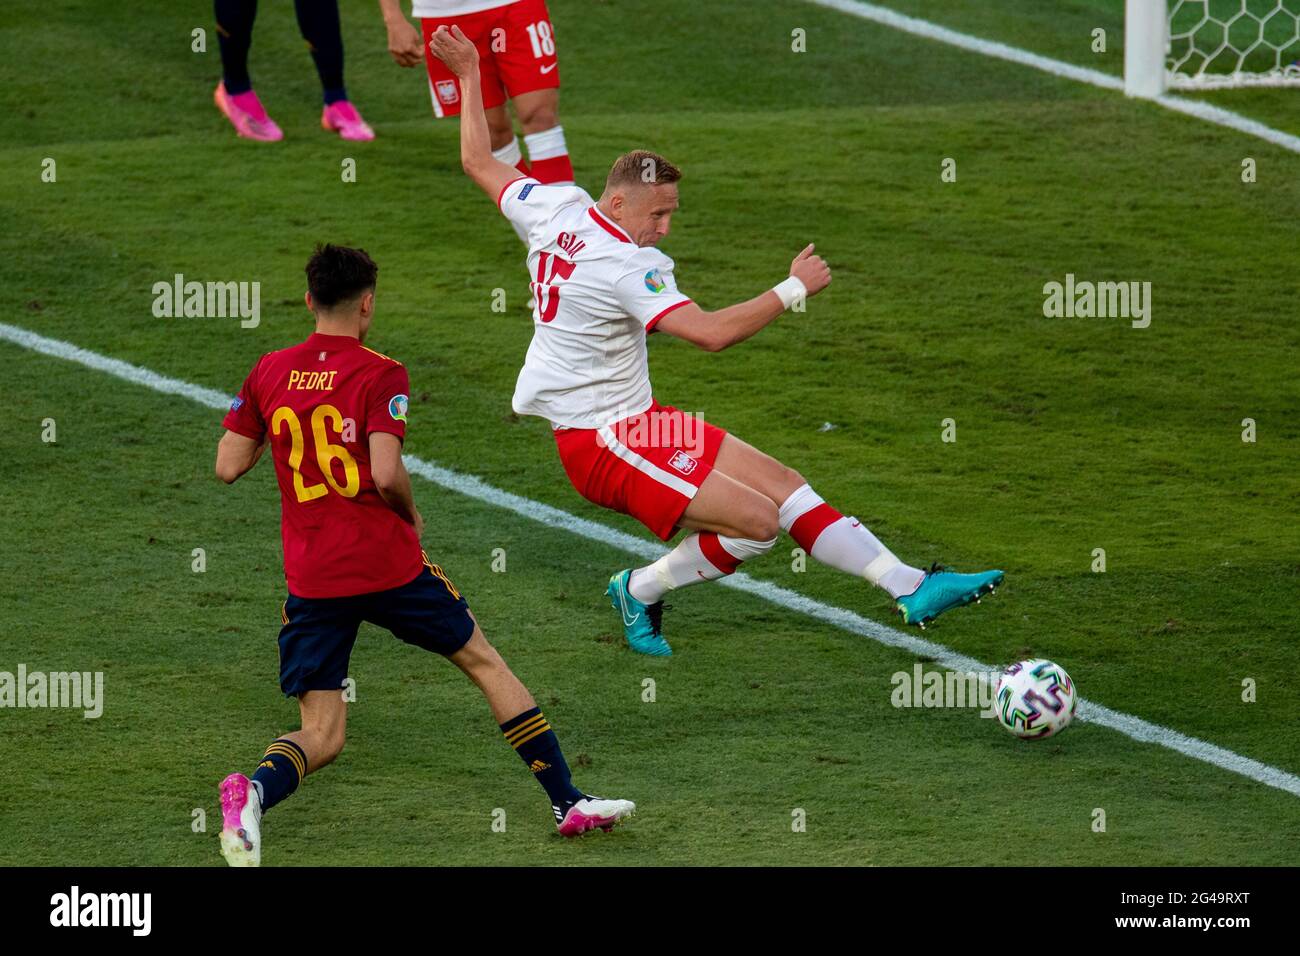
(1035, 698)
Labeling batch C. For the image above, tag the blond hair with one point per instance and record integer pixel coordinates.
(641, 167)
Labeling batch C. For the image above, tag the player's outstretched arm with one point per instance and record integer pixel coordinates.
(236, 456)
(461, 57)
(715, 331)
(391, 478)
(404, 44)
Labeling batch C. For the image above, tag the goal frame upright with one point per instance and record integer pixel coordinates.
(1146, 29)
(1160, 57)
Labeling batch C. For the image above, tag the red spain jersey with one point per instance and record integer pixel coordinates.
(320, 401)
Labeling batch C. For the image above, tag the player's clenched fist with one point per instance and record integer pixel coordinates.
(811, 270)
(404, 42)
(455, 50)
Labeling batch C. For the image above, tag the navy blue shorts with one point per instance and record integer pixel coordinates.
(318, 633)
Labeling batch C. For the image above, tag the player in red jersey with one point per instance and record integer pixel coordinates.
(517, 63)
(334, 413)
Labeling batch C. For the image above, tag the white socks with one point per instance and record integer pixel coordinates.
(702, 556)
(509, 153)
(548, 157)
(844, 543)
(830, 537)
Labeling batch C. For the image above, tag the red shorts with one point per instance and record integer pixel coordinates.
(648, 466)
(524, 59)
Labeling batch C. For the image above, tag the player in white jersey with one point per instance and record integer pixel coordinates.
(600, 288)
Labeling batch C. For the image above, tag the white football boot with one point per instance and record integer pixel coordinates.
(241, 821)
(591, 813)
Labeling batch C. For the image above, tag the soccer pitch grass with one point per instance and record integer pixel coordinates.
(1072, 435)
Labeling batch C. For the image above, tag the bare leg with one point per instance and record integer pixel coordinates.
(538, 110)
(729, 507)
(505, 693)
(324, 719)
(758, 470)
(525, 727)
(732, 521)
(500, 130)
(291, 757)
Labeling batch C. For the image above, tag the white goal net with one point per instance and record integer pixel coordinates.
(1223, 44)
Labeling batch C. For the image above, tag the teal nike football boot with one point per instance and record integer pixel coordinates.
(942, 590)
(642, 623)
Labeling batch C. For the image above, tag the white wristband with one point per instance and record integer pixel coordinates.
(790, 290)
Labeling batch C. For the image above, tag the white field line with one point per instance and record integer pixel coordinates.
(472, 487)
(932, 31)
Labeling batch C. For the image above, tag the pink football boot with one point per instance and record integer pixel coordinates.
(241, 821)
(591, 813)
(342, 117)
(244, 110)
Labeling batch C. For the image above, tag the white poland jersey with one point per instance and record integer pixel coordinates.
(598, 295)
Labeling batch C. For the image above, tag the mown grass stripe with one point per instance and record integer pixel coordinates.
(1001, 51)
(1127, 724)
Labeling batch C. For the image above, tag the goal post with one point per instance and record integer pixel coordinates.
(1146, 29)
(1210, 45)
